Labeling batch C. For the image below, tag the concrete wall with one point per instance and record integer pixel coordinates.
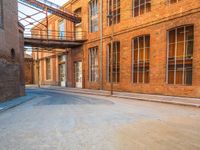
(11, 63)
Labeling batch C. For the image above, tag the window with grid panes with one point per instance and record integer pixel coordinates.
(115, 13)
(48, 68)
(141, 7)
(93, 64)
(180, 55)
(140, 59)
(93, 12)
(115, 64)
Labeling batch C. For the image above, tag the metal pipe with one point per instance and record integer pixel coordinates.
(112, 48)
(101, 44)
(38, 68)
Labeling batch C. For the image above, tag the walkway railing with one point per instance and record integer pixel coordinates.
(55, 35)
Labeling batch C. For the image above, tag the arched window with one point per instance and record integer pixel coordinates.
(180, 55)
(140, 59)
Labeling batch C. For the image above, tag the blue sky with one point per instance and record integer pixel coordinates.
(29, 11)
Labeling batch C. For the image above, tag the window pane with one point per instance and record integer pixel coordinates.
(189, 33)
(172, 36)
(189, 49)
(180, 50)
(180, 34)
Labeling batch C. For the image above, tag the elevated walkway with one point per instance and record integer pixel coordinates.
(55, 39)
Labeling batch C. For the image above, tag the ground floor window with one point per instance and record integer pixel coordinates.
(115, 62)
(48, 68)
(140, 59)
(93, 64)
(180, 55)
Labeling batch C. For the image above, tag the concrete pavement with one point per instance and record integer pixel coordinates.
(56, 120)
(185, 101)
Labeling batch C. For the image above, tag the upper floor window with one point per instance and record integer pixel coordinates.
(48, 68)
(61, 29)
(173, 1)
(114, 11)
(1, 13)
(93, 64)
(180, 55)
(141, 7)
(115, 62)
(93, 18)
(140, 59)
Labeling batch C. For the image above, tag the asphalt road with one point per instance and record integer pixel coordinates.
(64, 121)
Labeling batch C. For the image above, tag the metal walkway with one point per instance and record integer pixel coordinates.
(54, 39)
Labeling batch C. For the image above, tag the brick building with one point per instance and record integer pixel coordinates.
(155, 49)
(11, 52)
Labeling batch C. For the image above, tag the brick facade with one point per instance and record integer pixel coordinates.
(162, 17)
(11, 53)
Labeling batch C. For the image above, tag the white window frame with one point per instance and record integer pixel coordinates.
(93, 64)
(93, 16)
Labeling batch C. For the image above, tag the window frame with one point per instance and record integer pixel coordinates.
(139, 7)
(61, 34)
(93, 18)
(184, 57)
(48, 70)
(138, 59)
(115, 9)
(117, 62)
(93, 67)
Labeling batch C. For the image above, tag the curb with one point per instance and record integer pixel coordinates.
(2, 109)
(130, 98)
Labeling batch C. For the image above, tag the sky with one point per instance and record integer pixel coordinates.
(28, 11)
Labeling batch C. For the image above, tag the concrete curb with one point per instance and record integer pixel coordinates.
(130, 98)
(16, 102)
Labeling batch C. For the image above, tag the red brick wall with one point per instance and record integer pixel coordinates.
(162, 17)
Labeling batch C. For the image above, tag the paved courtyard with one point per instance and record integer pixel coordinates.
(56, 120)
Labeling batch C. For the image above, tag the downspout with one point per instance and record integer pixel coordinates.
(101, 44)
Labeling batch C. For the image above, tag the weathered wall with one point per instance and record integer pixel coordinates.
(11, 53)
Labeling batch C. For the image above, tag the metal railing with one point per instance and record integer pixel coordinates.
(55, 35)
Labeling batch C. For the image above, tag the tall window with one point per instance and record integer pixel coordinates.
(61, 29)
(115, 13)
(140, 59)
(141, 7)
(1, 13)
(180, 55)
(115, 63)
(173, 1)
(78, 26)
(93, 64)
(48, 68)
(93, 12)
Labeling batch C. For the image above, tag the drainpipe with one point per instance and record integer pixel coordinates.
(101, 44)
